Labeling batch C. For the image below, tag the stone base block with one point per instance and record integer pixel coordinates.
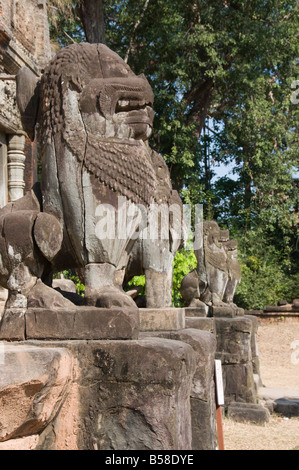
(207, 324)
(247, 412)
(202, 399)
(34, 382)
(222, 312)
(283, 308)
(12, 326)
(234, 339)
(234, 349)
(280, 400)
(197, 311)
(97, 395)
(128, 395)
(239, 384)
(164, 319)
(70, 323)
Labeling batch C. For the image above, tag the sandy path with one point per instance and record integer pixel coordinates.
(278, 346)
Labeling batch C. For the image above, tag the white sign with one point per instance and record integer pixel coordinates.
(219, 383)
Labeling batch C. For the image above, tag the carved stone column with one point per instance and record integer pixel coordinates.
(16, 165)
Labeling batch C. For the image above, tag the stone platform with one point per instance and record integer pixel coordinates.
(236, 347)
(73, 380)
(274, 317)
(122, 395)
(70, 323)
(157, 319)
(277, 313)
(98, 394)
(122, 378)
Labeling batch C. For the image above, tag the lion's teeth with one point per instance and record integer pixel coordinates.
(123, 103)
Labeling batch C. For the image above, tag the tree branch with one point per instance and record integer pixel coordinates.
(68, 36)
(134, 30)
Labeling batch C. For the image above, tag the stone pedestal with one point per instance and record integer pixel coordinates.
(161, 319)
(234, 349)
(97, 395)
(197, 311)
(202, 398)
(87, 323)
(34, 382)
(137, 380)
(118, 389)
(170, 324)
(207, 324)
(222, 312)
(237, 349)
(248, 412)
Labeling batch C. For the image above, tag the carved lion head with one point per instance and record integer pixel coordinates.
(113, 101)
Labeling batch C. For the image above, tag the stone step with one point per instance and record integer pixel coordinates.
(162, 319)
(248, 412)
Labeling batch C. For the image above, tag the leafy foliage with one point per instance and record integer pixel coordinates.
(70, 274)
(184, 262)
(65, 24)
(138, 281)
(266, 277)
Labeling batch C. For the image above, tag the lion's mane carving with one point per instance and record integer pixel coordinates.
(120, 105)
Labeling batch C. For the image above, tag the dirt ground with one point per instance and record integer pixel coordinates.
(278, 347)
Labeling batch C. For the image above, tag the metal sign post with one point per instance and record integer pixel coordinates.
(219, 403)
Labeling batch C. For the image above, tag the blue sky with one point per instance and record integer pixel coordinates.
(225, 170)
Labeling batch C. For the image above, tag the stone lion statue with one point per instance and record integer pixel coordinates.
(92, 118)
(212, 284)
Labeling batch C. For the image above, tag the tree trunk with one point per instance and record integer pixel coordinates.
(199, 97)
(247, 182)
(91, 13)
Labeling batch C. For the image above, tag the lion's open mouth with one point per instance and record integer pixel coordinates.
(126, 105)
(135, 112)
